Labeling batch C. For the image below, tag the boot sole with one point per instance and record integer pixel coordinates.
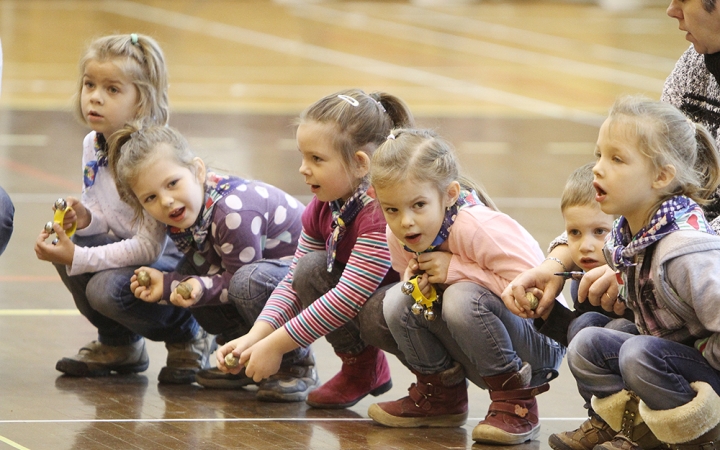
(169, 375)
(556, 443)
(75, 368)
(383, 388)
(447, 421)
(218, 383)
(491, 435)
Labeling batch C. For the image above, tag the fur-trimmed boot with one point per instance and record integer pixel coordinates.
(362, 374)
(513, 414)
(694, 425)
(620, 411)
(436, 400)
(592, 432)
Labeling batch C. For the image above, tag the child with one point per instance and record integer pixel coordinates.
(586, 226)
(222, 224)
(342, 263)
(440, 232)
(123, 78)
(660, 387)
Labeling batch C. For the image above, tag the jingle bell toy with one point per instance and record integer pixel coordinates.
(231, 360)
(422, 303)
(61, 208)
(185, 290)
(143, 278)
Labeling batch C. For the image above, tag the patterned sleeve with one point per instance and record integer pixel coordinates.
(283, 304)
(368, 264)
(560, 240)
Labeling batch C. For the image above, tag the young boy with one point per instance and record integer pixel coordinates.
(586, 226)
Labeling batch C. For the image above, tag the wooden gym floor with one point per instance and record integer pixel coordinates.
(519, 86)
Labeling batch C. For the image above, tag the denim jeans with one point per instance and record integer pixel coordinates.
(250, 288)
(596, 319)
(659, 371)
(105, 299)
(7, 213)
(475, 324)
(311, 280)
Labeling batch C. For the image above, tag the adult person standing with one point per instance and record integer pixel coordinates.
(693, 87)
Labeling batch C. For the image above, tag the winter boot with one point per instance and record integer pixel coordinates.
(362, 374)
(592, 432)
(292, 383)
(694, 425)
(620, 412)
(513, 414)
(436, 400)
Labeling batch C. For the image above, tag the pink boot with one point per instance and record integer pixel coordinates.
(362, 374)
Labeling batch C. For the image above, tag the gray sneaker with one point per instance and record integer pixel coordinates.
(216, 379)
(291, 383)
(96, 360)
(185, 359)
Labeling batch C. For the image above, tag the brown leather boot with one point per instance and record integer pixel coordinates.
(513, 414)
(436, 400)
(592, 432)
(620, 412)
(362, 374)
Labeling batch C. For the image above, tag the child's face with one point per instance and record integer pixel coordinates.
(322, 165)
(108, 97)
(586, 227)
(170, 192)
(414, 211)
(625, 180)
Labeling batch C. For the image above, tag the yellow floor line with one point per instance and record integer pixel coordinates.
(12, 444)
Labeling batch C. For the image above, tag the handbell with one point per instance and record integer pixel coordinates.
(430, 315)
(407, 288)
(417, 309)
(60, 204)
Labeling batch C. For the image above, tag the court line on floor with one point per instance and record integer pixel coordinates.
(477, 47)
(12, 443)
(239, 419)
(350, 61)
(39, 312)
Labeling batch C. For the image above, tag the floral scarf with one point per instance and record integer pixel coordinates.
(343, 215)
(101, 160)
(675, 214)
(216, 187)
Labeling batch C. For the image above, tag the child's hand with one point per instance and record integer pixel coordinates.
(412, 269)
(178, 300)
(262, 360)
(543, 279)
(599, 286)
(60, 253)
(79, 214)
(153, 292)
(235, 347)
(435, 265)
(424, 285)
(515, 299)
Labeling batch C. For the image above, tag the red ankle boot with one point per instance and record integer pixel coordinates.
(436, 400)
(513, 414)
(362, 374)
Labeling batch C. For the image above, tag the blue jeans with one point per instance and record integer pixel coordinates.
(595, 319)
(7, 212)
(311, 280)
(659, 371)
(105, 299)
(475, 329)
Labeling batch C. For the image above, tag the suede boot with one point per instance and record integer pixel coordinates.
(620, 411)
(436, 400)
(362, 374)
(513, 414)
(694, 425)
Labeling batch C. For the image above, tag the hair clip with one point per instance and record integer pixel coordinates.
(349, 99)
(391, 136)
(134, 38)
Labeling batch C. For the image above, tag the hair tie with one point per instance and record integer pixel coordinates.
(349, 99)
(134, 38)
(391, 136)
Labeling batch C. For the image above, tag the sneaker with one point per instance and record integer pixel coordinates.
(185, 359)
(216, 379)
(96, 359)
(290, 384)
(592, 432)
